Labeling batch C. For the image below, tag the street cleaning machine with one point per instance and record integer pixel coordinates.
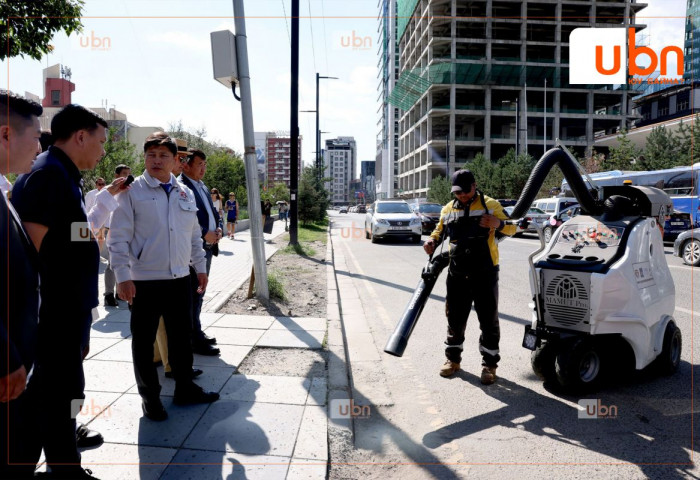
(603, 295)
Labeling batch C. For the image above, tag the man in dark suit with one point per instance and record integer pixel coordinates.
(210, 224)
(19, 145)
(50, 202)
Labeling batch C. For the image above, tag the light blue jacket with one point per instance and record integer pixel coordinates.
(154, 236)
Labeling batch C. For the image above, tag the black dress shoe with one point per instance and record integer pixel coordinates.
(206, 339)
(193, 394)
(86, 438)
(76, 473)
(204, 349)
(110, 301)
(154, 410)
(195, 373)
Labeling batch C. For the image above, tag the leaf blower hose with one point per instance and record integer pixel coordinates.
(396, 345)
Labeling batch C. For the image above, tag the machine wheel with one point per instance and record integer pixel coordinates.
(366, 234)
(691, 252)
(416, 239)
(543, 359)
(547, 232)
(578, 366)
(670, 357)
(374, 238)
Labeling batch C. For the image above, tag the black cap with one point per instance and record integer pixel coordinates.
(462, 180)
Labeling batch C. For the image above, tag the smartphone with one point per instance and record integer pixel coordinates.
(128, 181)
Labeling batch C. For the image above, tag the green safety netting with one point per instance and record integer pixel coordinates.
(405, 10)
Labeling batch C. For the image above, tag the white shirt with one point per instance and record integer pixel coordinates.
(5, 186)
(90, 199)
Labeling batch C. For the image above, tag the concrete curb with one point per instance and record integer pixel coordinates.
(340, 430)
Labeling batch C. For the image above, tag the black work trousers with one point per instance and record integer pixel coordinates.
(56, 388)
(171, 299)
(16, 439)
(481, 290)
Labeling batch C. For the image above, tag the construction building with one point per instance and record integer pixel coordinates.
(339, 159)
(485, 76)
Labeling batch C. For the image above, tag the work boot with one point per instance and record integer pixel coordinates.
(449, 368)
(488, 375)
(110, 301)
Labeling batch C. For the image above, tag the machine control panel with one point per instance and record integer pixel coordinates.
(586, 241)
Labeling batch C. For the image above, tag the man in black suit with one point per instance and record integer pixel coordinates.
(210, 223)
(19, 145)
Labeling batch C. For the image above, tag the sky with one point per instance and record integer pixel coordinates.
(158, 68)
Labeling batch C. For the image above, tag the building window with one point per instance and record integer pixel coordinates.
(55, 97)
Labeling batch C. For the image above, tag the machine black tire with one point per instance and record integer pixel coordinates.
(579, 365)
(670, 357)
(374, 238)
(366, 234)
(690, 252)
(547, 232)
(416, 239)
(543, 359)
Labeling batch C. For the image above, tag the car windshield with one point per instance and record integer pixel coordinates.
(430, 208)
(536, 211)
(391, 207)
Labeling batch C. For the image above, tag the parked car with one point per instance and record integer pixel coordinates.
(687, 246)
(429, 214)
(676, 224)
(392, 218)
(361, 209)
(534, 216)
(555, 221)
(343, 209)
(554, 205)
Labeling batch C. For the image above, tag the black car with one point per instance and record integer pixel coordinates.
(429, 214)
(675, 225)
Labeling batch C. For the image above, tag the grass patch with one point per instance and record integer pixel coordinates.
(275, 286)
(313, 232)
(298, 249)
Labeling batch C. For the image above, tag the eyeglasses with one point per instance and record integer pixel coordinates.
(100, 184)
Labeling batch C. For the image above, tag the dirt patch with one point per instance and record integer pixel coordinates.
(292, 362)
(303, 279)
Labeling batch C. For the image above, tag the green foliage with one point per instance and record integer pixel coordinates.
(32, 24)
(275, 193)
(486, 173)
(313, 197)
(117, 151)
(440, 190)
(299, 249)
(622, 156)
(663, 149)
(275, 285)
(514, 172)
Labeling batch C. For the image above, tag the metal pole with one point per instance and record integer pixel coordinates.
(256, 234)
(319, 160)
(294, 125)
(545, 117)
(517, 127)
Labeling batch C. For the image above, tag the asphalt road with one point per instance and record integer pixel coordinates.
(517, 426)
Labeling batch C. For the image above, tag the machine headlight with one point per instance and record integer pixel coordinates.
(415, 221)
(383, 221)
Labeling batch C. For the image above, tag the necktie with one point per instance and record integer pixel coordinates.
(166, 187)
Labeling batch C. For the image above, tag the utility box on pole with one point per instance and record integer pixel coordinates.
(223, 56)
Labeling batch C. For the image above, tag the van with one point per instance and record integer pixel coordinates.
(554, 205)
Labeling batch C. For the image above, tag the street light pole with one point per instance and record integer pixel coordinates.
(294, 121)
(319, 158)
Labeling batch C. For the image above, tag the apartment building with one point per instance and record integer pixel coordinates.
(339, 159)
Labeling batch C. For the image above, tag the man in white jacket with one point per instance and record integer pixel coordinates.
(154, 235)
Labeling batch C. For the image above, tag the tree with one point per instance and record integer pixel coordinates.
(31, 25)
(440, 190)
(118, 151)
(623, 156)
(313, 197)
(486, 173)
(225, 172)
(514, 173)
(661, 151)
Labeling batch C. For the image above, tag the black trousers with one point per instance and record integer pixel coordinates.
(171, 299)
(482, 291)
(56, 388)
(16, 459)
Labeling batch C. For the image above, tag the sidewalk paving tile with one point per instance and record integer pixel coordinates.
(209, 318)
(248, 427)
(292, 339)
(303, 469)
(102, 376)
(113, 314)
(318, 391)
(96, 403)
(126, 462)
(207, 465)
(211, 380)
(127, 423)
(231, 356)
(267, 388)
(244, 321)
(312, 442)
(120, 352)
(104, 329)
(301, 323)
(235, 336)
(98, 345)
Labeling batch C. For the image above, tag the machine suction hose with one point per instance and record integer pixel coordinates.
(568, 167)
(399, 338)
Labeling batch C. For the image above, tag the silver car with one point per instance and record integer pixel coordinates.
(392, 218)
(534, 216)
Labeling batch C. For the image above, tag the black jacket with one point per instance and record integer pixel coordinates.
(202, 215)
(19, 287)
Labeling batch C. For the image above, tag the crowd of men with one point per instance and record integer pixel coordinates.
(158, 233)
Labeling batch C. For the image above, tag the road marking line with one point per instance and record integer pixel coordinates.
(689, 312)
